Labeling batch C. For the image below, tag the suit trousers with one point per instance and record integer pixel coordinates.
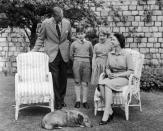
(58, 68)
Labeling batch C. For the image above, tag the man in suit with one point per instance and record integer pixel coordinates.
(55, 34)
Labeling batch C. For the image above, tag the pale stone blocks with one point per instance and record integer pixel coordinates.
(157, 34)
(159, 18)
(127, 2)
(128, 23)
(154, 18)
(130, 18)
(132, 7)
(122, 29)
(12, 48)
(152, 2)
(139, 29)
(157, 12)
(160, 29)
(149, 44)
(157, 45)
(140, 8)
(124, 7)
(11, 53)
(143, 45)
(157, 23)
(126, 12)
(152, 39)
(153, 50)
(133, 45)
(137, 18)
(144, 50)
(135, 23)
(2, 39)
(141, 24)
(154, 29)
(115, 29)
(141, 13)
(134, 2)
(130, 40)
(145, 29)
(161, 51)
(160, 39)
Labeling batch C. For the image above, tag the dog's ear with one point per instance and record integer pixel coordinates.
(80, 118)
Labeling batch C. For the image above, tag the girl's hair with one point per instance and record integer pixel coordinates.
(121, 39)
(103, 32)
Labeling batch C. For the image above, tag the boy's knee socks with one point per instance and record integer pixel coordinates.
(77, 92)
(85, 92)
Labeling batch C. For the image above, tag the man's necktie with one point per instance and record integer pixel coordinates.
(58, 30)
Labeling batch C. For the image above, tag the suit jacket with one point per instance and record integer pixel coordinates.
(49, 37)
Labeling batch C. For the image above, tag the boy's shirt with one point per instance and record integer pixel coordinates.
(81, 51)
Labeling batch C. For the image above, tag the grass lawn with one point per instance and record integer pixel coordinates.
(151, 119)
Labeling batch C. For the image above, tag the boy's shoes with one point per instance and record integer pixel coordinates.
(85, 105)
(63, 104)
(77, 104)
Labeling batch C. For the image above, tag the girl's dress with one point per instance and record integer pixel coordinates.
(100, 54)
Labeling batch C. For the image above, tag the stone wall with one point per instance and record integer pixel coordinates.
(141, 21)
(12, 42)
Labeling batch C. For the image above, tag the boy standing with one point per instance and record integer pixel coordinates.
(81, 52)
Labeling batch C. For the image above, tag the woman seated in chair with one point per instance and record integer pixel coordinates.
(119, 66)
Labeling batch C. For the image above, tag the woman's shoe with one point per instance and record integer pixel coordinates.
(77, 104)
(103, 122)
(110, 117)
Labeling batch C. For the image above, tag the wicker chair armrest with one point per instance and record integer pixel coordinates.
(133, 78)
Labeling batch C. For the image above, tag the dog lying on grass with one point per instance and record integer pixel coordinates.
(65, 118)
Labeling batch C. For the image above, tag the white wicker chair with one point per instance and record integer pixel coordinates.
(33, 81)
(124, 98)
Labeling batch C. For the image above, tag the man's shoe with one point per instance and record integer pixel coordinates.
(85, 105)
(64, 104)
(58, 107)
(110, 117)
(77, 104)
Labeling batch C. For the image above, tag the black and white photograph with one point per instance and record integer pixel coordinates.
(81, 65)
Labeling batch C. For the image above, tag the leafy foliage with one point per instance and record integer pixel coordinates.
(28, 13)
(152, 79)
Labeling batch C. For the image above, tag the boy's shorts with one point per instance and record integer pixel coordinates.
(82, 71)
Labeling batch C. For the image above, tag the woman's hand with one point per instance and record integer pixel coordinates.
(112, 75)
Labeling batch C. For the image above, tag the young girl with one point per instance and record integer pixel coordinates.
(100, 53)
(81, 52)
